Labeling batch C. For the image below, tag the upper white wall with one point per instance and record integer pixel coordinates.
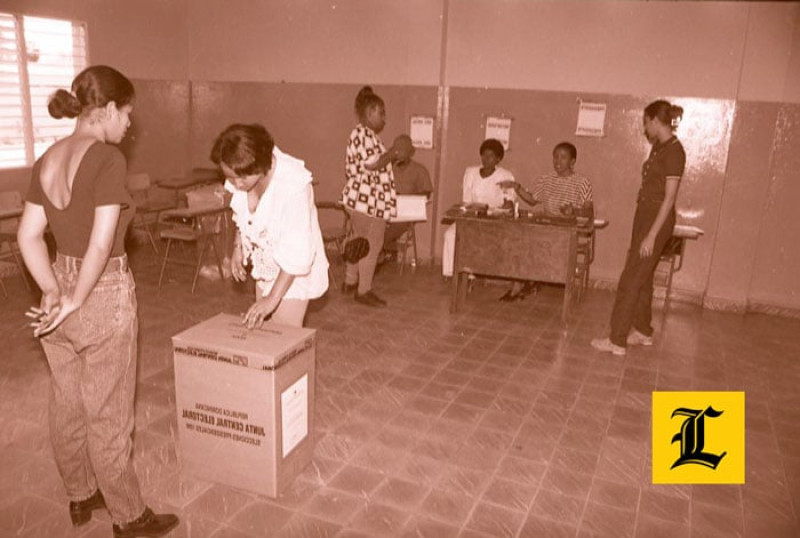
(722, 50)
(771, 53)
(351, 41)
(144, 39)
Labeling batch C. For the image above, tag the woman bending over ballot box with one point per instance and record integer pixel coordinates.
(273, 208)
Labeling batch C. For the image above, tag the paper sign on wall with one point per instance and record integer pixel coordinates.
(591, 119)
(294, 414)
(500, 129)
(421, 132)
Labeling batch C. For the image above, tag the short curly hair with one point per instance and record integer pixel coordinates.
(495, 146)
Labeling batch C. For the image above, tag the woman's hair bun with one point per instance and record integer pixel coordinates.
(63, 104)
(365, 99)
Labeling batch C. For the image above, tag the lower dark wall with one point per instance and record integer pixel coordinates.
(612, 162)
(740, 184)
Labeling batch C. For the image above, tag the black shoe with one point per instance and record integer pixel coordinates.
(81, 511)
(508, 296)
(147, 525)
(347, 289)
(531, 287)
(370, 299)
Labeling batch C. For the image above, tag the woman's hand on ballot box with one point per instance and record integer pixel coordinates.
(260, 310)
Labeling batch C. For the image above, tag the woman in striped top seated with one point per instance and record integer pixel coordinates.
(561, 193)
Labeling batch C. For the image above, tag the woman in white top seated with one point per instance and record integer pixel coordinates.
(481, 186)
(273, 207)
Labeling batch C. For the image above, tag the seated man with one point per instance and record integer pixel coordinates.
(410, 177)
(561, 193)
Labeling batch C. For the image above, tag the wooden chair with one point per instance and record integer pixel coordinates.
(585, 254)
(671, 259)
(407, 242)
(411, 208)
(148, 206)
(11, 201)
(334, 223)
(199, 225)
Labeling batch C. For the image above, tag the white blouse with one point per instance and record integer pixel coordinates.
(484, 190)
(283, 232)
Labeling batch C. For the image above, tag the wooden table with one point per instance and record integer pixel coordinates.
(513, 248)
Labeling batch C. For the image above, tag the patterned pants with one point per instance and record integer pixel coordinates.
(92, 357)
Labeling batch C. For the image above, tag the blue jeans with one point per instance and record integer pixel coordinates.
(92, 357)
(633, 304)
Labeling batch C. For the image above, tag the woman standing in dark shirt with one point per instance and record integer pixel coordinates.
(87, 316)
(652, 227)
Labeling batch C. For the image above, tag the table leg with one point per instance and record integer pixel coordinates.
(568, 292)
(459, 288)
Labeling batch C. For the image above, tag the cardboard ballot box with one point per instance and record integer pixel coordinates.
(245, 401)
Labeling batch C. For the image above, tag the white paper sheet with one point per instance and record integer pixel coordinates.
(591, 119)
(500, 129)
(294, 414)
(421, 132)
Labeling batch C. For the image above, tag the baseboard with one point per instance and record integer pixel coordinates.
(721, 304)
(677, 295)
(774, 310)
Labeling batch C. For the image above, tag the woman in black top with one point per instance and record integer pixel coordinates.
(652, 227)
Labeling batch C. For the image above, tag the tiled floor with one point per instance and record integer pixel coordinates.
(492, 423)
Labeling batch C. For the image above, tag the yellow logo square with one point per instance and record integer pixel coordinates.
(698, 437)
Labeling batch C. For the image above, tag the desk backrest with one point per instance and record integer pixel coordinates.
(10, 200)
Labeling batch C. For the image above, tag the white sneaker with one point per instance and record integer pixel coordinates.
(605, 344)
(638, 339)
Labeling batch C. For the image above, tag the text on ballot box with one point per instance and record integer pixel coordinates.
(245, 402)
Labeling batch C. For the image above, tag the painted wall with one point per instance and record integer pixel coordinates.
(356, 41)
(776, 278)
(145, 39)
(695, 49)
(200, 65)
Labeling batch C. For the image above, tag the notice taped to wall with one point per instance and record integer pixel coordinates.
(591, 119)
(499, 129)
(294, 414)
(421, 132)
